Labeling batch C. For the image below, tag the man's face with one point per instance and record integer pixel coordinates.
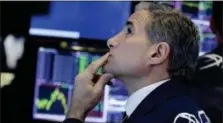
(129, 48)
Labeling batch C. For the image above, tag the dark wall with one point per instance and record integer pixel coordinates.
(16, 99)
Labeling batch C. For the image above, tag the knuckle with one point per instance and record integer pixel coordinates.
(79, 77)
(97, 91)
(104, 79)
(82, 77)
(92, 66)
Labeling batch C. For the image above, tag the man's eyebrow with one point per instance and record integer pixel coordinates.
(129, 23)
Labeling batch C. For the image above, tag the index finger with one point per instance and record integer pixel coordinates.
(93, 67)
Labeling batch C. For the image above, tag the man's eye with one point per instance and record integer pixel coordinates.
(128, 30)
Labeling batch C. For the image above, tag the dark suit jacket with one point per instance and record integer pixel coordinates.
(207, 84)
(169, 103)
(209, 70)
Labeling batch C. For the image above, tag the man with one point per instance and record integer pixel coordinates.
(209, 71)
(208, 75)
(152, 55)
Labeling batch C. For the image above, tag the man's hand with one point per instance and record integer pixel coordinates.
(86, 92)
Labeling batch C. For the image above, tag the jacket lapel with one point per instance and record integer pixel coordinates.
(168, 90)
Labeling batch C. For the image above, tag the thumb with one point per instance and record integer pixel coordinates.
(103, 80)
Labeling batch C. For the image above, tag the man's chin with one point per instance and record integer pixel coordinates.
(107, 69)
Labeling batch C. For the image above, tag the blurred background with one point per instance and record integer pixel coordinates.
(44, 45)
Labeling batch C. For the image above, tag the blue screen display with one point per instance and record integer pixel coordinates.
(92, 20)
(55, 74)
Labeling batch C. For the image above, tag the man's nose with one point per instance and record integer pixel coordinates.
(112, 42)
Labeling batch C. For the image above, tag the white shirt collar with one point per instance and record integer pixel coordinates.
(137, 97)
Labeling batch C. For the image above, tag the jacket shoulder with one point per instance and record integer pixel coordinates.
(183, 109)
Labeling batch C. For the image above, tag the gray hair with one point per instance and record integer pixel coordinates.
(171, 26)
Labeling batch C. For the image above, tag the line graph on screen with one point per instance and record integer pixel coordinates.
(201, 5)
(52, 99)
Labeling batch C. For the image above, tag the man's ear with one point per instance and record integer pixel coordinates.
(159, 53)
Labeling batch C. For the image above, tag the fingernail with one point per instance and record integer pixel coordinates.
(107, 54)
(110, 75)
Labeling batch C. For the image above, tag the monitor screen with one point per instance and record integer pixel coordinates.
(196, 9)
(78, 19)
(55, 74)
(190, 8)
(207, 38)
(200, 13)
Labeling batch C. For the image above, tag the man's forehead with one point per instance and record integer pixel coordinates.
(139, 16)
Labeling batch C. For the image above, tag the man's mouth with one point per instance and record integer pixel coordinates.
(106, 62)
(111, 53)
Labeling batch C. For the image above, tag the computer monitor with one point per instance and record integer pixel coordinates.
(207, 38)
(117, 97)
(77, 19)
(200, 13)
(197, 9)
(55, 74)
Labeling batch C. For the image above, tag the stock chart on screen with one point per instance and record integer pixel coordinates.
(52, 99)
(200, 13)
(196, 9)
(56, 70)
